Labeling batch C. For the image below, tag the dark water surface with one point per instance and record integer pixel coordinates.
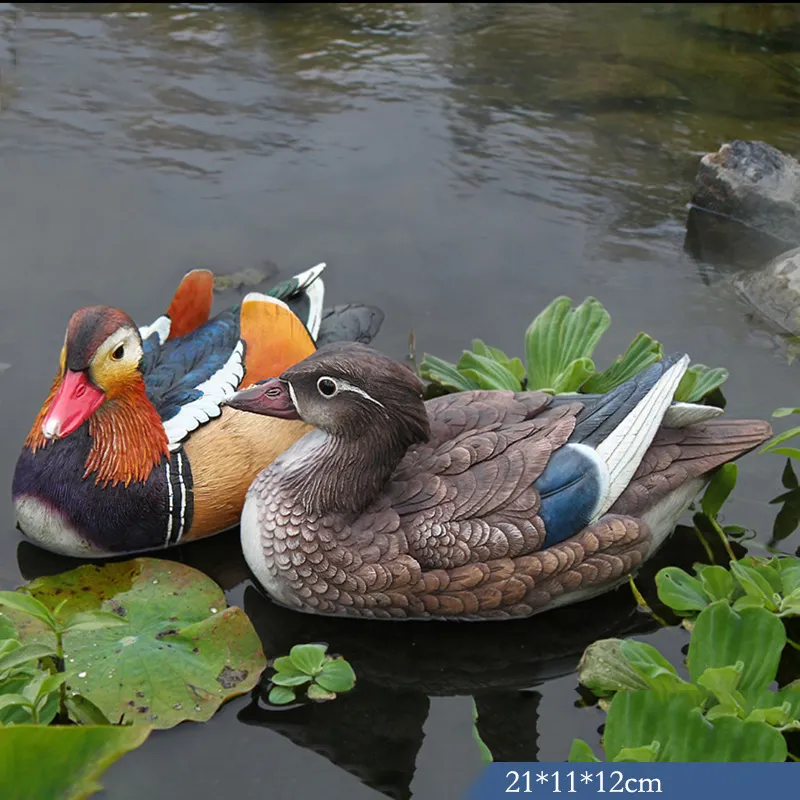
(458, 165)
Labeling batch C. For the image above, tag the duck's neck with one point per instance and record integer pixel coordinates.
(332, 475)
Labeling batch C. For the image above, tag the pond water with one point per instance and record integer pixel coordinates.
(458, 164)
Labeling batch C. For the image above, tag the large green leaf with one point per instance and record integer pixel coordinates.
(560, 341)
(637, 719)
(61, 762)
(642, 352)
(721, 637)
(181, 655)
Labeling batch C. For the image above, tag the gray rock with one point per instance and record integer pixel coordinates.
(754, 183)
(774, 290)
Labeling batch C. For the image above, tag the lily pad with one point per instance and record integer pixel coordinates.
(182, 654)
(74, 757)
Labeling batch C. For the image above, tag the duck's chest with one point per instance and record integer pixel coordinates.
(60, 509)
(287, 549)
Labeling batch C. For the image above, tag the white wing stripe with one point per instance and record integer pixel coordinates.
(221, 385)
(183, 497)
(623, 449)
(169, 509)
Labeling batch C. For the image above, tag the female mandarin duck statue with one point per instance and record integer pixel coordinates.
(132, 450)
(482, 505)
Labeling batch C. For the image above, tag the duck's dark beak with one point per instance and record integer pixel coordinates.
(270, 398)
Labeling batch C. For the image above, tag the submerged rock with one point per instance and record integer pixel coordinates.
(755, 184)
(774, 290)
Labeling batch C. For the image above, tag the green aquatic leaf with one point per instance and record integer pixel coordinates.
(282, 679)
(513, 365)
(560, 342)
(719, 489)
(487, 372)
(644, 754)
(281, 695)
(84, 711)
(94, 621)
(699, 381)
(317, 692)
(308, 658)
(444, 374)
(182, 654)
(754, 584)
(336, 676)
(24, 653)
(722, 683)
(74, 758)
(604, 669)
(722, 637)
(486, 753)
(785, 412)
(716, 581)
(641, 353)
(7, 629)
(779, 439)
(581, 752)
(23, 603)
(789, 572)
(652, 666)
(637, 719)
(12, 700)
(680, 591)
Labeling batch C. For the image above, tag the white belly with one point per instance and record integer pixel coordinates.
(250, 531)
(49, 528)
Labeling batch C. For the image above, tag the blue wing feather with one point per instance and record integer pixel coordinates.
(569, 490)
(173, 372)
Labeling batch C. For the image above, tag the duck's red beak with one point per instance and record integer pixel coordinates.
(76, 400)
(270, 398)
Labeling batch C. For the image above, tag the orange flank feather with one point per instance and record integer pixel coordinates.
(191, 305)
(275, 338)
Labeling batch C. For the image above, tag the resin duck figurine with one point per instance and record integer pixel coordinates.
(132, 450)
(481, 505)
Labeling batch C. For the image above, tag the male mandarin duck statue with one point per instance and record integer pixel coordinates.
(132, 450)
(482, 505)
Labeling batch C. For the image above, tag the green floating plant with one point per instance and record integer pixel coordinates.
(308, 665)
(726, 711)
(559, 345)
(32, 676)
(147, 641)
(773, 585)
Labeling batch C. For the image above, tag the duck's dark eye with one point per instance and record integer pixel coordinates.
(118, 353)
(327, 387)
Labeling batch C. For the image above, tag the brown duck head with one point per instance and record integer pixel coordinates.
(350, 391)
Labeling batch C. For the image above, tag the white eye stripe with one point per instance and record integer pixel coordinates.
(293, 396)
(344, 386)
